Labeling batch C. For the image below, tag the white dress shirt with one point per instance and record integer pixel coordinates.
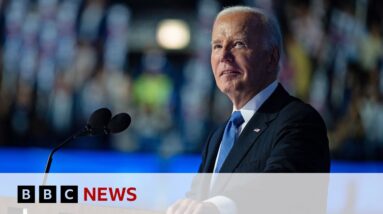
(224, 204)
(249, 109)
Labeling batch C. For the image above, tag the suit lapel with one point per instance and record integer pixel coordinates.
(256, 126)
(244, 142)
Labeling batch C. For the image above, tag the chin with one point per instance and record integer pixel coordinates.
(227, 89)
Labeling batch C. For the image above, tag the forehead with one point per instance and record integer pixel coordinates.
(236, 24)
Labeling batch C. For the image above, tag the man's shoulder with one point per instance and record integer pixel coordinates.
(281, 101)
(297, 109)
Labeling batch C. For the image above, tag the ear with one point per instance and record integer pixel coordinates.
(273, 59)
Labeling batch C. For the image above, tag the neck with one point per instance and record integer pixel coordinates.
(240, 98)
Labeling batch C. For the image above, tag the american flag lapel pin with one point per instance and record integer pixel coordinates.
(257, 130)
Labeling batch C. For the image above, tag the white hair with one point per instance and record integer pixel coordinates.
(270, 25)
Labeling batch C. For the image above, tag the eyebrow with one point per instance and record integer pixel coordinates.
(242, 38)
(215, 42)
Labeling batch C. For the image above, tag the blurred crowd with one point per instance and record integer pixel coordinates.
(62, 59)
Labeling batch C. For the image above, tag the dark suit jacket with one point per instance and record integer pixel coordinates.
(290, 136)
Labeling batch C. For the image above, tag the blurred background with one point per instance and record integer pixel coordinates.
(62, 59)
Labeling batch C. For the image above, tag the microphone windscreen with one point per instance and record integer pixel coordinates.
(119, 123)
(99, 120)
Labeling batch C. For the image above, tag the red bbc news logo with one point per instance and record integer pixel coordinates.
(115, 194)
(69, 194)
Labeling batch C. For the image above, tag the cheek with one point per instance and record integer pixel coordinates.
(214, 64)
(213, 60)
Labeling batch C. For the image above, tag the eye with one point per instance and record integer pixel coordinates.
(239, 44)
(216, 46)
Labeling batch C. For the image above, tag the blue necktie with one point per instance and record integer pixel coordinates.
(229, 137)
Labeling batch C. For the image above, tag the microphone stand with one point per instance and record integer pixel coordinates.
(50, 158)
(99, 118)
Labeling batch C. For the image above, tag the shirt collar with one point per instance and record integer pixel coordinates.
(249, 109)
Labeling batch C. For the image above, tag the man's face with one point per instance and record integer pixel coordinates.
(238, 57)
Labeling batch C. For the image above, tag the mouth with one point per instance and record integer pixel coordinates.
(230, 72)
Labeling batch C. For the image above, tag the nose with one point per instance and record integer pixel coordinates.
(226, 55)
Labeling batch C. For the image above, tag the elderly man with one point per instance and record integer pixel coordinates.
(269, 130)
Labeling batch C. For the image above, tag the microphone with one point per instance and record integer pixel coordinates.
(118, 123)
(96, 125)
(97, 122)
